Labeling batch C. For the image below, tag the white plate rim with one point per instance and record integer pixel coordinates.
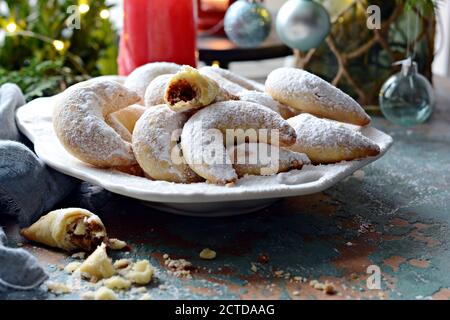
(165, 192)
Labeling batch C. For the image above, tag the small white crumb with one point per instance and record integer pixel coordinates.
(90, 295)
(254, 268)
(122, 264)
(58, 287)
(296, 293)
(72, 267)
(349, 244)
(116, 244)
(146, 296)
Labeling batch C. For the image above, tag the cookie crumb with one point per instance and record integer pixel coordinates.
(116, 244)
(329, 289)
(122, 264)
(72, 267)
(179, 268)
(208, 254)
(146, 296)
(359, 175)
(58, 287)
(89, 295)
(117, 283)
(105, 293)
(326, 287)
(79, 255)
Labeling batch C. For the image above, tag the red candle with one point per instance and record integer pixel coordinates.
(157, 30)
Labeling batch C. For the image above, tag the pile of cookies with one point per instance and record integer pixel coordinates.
(185, 125)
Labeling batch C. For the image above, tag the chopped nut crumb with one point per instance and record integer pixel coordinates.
(179, 268)
(208, 254)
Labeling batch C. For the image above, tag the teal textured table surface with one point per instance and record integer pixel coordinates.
(394, 218)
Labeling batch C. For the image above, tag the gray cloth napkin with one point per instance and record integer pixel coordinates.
(19, 270)
(10, 99)
(27, 189)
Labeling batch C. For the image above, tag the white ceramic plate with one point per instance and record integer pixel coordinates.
(200, 199)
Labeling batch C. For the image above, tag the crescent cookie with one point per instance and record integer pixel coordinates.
(306, 92)
(79, 122)
(326, 141)
(154, 95)
(188, 90)
(155, 144)
(123, 121)
(202, 139)
(261, 159)
(140, 78)
(258, 97)
(68, 229)
(237, 79)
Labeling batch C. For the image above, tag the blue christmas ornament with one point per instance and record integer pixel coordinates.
(303, 24)
(407, 98)
(247, 23)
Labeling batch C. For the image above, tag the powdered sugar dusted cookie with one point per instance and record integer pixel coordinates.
(154, 95)
(155, 144)
(262, 159)
(237, 79)
(141, 78)
(326, 141)
(202, 139)
(79, 122)
(306, 92)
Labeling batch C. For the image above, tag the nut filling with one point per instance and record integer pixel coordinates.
(181, 91)
(85, 233)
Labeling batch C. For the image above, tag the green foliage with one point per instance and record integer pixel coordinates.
(29, 59)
